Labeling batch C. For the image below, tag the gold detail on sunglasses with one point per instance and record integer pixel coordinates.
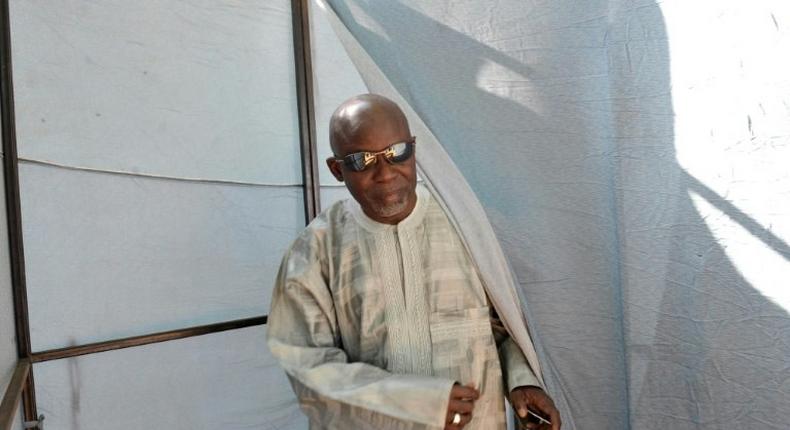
(371, 157)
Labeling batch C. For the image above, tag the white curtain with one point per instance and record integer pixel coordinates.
(631, 157)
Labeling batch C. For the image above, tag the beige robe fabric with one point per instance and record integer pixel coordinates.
(373, 323)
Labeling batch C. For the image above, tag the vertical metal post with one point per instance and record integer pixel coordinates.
(306, 106)
(13, 209)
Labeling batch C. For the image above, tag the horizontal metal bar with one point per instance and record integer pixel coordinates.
(146, 339)
(13, 394)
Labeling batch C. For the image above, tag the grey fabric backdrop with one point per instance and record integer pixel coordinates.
(160, 184)
(645, 228)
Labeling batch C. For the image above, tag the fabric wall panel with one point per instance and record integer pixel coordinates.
(472, 73)
(706, 214)
(224, 380)
(160, 180)
(111, 256)
(201, 89)
(634, 169)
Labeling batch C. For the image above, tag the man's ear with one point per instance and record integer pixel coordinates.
(334, 167)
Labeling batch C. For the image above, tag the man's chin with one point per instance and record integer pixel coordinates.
(389, 210)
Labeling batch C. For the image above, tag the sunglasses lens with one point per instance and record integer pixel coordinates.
(356, 161)
(401, 152)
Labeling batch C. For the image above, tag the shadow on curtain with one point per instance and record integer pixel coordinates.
(560, 116)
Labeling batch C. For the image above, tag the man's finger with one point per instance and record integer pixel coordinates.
(461, 406)
(519, 403)
(544, 406)
(461, 392)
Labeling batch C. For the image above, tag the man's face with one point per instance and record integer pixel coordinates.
(385, 191)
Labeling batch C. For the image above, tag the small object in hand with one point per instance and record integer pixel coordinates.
(456, 418)
(539, 418)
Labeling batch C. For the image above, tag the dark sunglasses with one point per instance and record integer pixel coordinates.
(395, 153)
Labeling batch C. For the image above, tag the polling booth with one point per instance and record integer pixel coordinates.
(622, 163)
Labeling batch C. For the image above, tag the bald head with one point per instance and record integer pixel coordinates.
(360, 115)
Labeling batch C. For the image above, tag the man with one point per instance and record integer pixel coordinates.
(378, 315)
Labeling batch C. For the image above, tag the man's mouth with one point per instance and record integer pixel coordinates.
(388, 195)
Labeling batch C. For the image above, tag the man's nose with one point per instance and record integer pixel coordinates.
(383, 170)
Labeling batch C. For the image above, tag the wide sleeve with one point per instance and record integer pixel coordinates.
(515, 369)
(335, 393)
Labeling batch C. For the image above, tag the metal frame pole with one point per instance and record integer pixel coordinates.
(13, 209)
(306, 107)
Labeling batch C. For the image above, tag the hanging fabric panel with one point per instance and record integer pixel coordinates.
(635, 220)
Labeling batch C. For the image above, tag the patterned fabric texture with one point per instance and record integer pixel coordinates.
(374, 323)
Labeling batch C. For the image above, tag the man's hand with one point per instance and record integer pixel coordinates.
(462, 402)
(537, 401)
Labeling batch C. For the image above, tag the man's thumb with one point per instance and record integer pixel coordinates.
(522, 412)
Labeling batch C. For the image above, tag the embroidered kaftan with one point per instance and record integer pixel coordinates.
(373, 323)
